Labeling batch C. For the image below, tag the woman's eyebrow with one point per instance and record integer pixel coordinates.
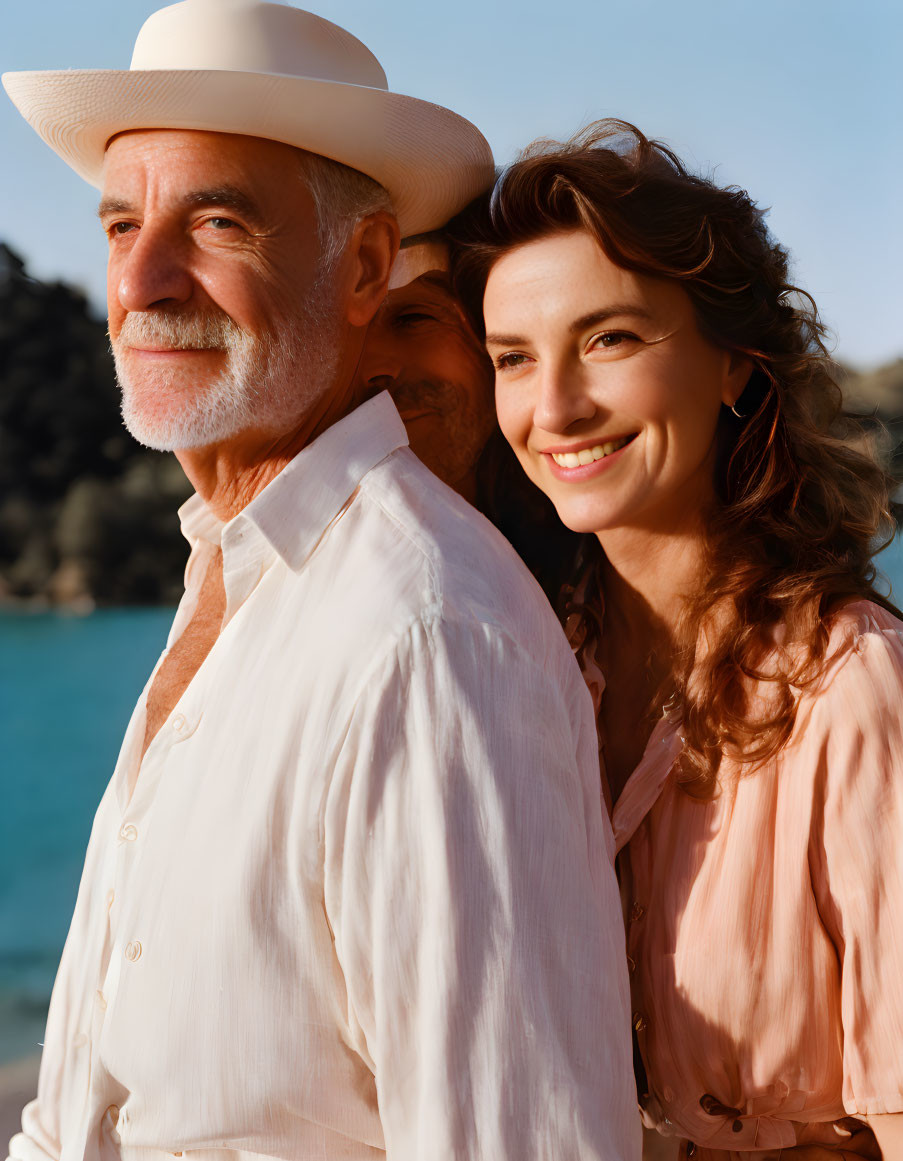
(594, 318)
(617, 310)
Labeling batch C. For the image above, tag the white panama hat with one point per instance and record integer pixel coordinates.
(264, 70)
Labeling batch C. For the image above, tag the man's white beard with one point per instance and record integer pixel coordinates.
(269, 383)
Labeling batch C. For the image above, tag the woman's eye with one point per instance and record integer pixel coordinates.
(509, 362)
(612, 339)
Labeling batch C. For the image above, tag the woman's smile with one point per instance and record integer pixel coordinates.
(605, 387)
(586, 460)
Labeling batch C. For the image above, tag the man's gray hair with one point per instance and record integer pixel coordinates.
(342, 196)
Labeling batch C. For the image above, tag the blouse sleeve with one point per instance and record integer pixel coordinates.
(856, 858)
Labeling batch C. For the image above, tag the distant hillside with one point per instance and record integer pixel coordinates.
(879, 394)
(86, 515)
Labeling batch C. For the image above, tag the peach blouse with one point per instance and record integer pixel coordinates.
(765, 927)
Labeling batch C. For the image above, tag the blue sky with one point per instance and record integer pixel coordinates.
(799, 101)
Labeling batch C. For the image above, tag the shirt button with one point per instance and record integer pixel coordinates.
(178, 723)
(79, 1040)
(638, 1022)
(637, 911)
(631, 964)
(128, 833)
(133, 951)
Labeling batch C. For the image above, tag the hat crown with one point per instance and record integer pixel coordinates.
(255, 37)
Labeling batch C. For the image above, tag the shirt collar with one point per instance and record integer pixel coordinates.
(291, 514)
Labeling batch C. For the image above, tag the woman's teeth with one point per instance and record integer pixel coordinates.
(589, 454)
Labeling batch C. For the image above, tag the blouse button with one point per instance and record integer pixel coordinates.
(638, 1022)
(178, 723)
(133, 951)
(128, 833)
(637, 911)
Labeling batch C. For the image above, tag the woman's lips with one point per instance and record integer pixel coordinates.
(604, 455)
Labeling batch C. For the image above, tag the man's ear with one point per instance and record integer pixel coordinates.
(371, 252)
(737, 372)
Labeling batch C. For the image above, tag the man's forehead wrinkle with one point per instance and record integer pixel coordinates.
(438, 280)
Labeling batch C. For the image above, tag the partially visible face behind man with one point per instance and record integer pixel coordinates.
(220, 316)
(421, 349)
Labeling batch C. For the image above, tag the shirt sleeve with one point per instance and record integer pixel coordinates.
(34, 1143)
(471, 890)
(857, 862)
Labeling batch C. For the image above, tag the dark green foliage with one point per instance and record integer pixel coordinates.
(85, 512)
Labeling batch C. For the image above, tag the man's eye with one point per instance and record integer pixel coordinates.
(410, 318)
(122, 228)
(220, 223)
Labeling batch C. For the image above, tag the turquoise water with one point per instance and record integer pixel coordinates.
(67, 689)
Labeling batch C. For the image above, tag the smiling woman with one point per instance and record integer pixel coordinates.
(667, 390)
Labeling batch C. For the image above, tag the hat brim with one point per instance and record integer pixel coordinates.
(431, 161)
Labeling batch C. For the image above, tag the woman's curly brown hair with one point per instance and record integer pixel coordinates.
(802, 504)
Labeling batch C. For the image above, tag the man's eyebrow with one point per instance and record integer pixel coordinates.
(229, 197)
(594, 318)
(113, 206)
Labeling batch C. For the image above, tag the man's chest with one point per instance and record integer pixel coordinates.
(188, 652)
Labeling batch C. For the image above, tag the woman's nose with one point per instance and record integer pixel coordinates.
(562, 399)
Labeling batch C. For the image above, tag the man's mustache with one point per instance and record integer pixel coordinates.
(438, 395)
(199, 330)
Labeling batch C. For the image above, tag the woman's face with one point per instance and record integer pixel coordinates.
(605, 388)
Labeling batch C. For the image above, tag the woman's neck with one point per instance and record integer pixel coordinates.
(646, 579)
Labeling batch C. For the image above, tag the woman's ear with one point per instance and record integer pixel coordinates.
(370, 254)
(737, 374)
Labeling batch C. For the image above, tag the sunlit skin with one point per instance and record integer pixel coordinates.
(201, 220)
(587, 353)
(421, 349)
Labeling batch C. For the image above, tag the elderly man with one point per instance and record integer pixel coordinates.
(349, 893)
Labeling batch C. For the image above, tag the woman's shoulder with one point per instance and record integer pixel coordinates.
(865, 644)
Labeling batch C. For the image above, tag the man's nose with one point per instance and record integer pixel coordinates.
(562, 398)
(381, 363)
(154, 273)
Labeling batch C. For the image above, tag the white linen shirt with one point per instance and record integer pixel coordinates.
(359, 901)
